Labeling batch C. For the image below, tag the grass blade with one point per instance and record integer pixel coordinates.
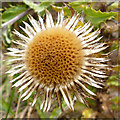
(10, 103)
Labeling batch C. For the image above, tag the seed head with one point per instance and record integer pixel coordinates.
(53, 56)
(58, 59)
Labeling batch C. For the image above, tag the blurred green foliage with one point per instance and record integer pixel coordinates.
(7, 36)
(38, 7)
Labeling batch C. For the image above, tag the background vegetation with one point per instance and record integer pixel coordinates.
(103, 15)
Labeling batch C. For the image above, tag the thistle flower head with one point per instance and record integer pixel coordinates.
(58, 59)
(53, 56)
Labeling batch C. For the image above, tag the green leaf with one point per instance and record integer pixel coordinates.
(113, 80)
(115, 83)
(13, 12)
(114, 77)
(97, 16)
(38, 7)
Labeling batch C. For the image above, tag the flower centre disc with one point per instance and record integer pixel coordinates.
(54, 56)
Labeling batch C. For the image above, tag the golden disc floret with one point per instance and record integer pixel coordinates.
(55, 56)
